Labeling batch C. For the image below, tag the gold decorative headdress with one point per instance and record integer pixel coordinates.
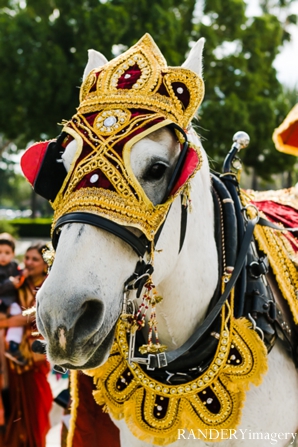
(128, 98)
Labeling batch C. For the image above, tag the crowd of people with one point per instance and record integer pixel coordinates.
(25, 393)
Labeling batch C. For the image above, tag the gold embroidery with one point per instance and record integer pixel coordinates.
(153, 410)
(74, 392)
(114, 114)
(152, 65)
(281, 258)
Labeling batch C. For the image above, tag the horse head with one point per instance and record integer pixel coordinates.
(126, 156)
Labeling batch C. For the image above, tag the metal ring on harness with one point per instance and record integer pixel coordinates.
(255, 327)
(245, 215)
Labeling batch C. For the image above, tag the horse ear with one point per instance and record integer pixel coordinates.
(194, 61)
(95, 60)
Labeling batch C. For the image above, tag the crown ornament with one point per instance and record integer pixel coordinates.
(140, 78)
(121, 102)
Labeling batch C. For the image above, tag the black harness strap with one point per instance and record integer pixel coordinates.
(229, 221)
(183, 225)
(167, 357)
(140, 245)
(266, 223)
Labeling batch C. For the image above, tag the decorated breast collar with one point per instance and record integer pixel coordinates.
(207, 391)
(203, 394)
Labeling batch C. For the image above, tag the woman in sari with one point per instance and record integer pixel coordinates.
(30, 396)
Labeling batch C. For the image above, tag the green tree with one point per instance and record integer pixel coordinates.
(242, 90)
(43, 50)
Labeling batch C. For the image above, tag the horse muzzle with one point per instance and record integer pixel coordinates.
(76, 339)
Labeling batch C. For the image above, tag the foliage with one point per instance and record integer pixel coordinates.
(242, 90)
(28, 220)
(43, 50)
(7, 227)
(33, 228)
(13, 186)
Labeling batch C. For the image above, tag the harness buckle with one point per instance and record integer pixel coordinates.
(270, 311)
(157, 361)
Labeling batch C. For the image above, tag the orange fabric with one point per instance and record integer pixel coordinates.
(94, 428)
(285, 136)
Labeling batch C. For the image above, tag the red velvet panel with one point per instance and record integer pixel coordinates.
(129, 78)
(30, 402)
(94, 428)
(290, 135)
(32, 159)
(278, 213)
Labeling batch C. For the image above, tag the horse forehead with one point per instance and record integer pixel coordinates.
(160, 144)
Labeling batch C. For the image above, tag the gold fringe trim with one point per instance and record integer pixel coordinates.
(74, 393)
(153, 411)
(281, 258)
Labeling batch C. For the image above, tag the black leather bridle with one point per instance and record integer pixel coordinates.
(202, 338)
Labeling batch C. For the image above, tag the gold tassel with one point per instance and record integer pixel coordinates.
(48, 254)
(150, 299)
(74, 392)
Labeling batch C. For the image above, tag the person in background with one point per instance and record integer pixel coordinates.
(10, 280)
(30, 393)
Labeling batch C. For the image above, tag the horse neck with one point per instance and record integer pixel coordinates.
(193, 274)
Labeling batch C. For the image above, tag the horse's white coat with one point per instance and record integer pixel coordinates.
(83, 295)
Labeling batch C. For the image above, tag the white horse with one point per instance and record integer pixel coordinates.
(81, 300)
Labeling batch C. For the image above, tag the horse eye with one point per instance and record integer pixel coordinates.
(155, 172)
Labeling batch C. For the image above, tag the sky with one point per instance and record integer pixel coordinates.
(286, 63)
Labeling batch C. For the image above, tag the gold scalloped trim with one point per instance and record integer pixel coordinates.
(129, 393)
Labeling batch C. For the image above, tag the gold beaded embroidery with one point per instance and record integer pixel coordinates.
(144, 93)
(110, 116)
(153, 410)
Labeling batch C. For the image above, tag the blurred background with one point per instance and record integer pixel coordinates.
(250, 72)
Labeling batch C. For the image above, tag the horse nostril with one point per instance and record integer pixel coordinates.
(90, 318)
